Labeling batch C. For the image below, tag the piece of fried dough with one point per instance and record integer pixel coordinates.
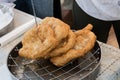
(65, 45)
(88, 27)
(60, 28)
(84, 42)
(37, 42)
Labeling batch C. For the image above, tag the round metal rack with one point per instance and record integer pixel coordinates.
(83, 68)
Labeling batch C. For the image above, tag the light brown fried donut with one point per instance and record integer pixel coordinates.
(37, 42)
(65, 45)
(84, 43)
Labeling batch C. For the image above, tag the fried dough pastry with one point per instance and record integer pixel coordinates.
(53, 39)
(88, 27)
(60, 28)
(65, 45)
(85, 41)
(37, 42)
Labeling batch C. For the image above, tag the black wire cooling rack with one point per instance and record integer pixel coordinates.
(45, 70)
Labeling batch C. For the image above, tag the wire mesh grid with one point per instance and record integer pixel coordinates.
(45, 70)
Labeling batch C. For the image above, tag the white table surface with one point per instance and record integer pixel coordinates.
(110, 59)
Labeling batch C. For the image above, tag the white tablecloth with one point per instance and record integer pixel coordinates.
(110, 63)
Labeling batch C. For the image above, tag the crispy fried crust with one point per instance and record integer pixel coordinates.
(40, 40)
(60, 28)
(85, 41)
(66, 44)
(53, 39)
(37, 42)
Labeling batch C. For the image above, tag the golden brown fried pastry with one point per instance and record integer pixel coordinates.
(88, 27)
(53, 39)
(37, 42)
(60, 28)
(85, 41)
(65, 45)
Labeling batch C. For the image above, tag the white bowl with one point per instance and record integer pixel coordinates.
(6, 18)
